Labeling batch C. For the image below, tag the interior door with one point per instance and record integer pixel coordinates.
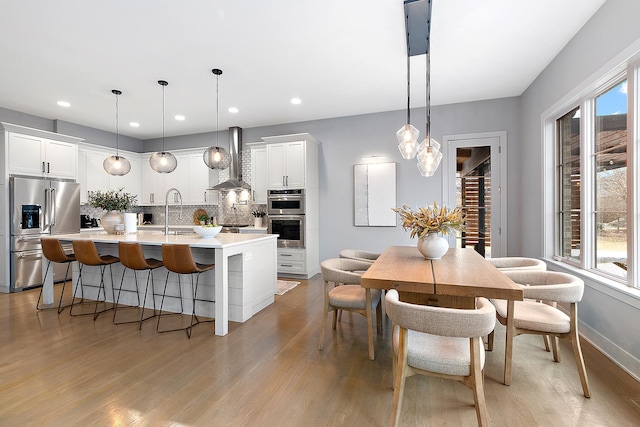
(474, 170)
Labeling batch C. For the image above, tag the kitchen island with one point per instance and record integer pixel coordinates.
(243, 282)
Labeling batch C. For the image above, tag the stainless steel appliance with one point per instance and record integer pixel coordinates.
(39, 207)
(289, 228)
(285, 202)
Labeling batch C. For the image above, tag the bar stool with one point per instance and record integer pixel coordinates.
(179, 259)
(53, 251)
(132, 257)
(87, 254)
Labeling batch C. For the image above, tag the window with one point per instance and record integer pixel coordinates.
(591, 169)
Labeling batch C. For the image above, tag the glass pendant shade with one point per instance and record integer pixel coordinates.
(116, 165)
(429, 157)
(163, 161)
(408, 141)
(216, 158)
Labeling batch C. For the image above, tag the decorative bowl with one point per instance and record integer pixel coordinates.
(207, 232)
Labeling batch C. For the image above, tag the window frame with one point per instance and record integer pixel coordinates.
(585, 99)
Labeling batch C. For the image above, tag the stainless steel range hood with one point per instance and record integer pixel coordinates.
(235, 181)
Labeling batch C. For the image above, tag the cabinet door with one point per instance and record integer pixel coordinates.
(259, 175)
(97, 179)
(275, 159)
(294, 161)
(62, 159)
(178, 179)
(26, 155)
(198, 179)
(82, 175)
(152, 185)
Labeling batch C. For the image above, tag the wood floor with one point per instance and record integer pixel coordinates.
(62, 371)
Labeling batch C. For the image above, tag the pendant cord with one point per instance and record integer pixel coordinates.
(217, 109)
(408, 71)
(117, 129)
(428, 88)
(163, 120)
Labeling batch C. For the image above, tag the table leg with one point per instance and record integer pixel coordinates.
(508, 348)
(221, 292)
(367, 293)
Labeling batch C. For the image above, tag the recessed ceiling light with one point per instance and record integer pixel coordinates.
(296, 101)
(64, 104)
(179, 117)
(233, 110)
(134, 124)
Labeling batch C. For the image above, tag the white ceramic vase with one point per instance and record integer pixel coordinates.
(433, 246)
(109, 221)
(257, 222)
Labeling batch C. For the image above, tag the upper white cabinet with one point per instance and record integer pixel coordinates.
(259, 174)
(292, 161)
(37, 156)
(93, 177)
(191, 177)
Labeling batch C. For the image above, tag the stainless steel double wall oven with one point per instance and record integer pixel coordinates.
(286, 217)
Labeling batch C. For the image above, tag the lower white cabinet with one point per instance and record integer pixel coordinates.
(291, 261)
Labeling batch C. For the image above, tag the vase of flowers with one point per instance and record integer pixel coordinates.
(115, 202)
(429, 224)
(257, 218)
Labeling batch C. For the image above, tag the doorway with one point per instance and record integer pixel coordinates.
(474, 180)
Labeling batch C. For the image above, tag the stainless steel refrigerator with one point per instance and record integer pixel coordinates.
(39, 207)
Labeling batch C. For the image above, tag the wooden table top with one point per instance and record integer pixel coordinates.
(461, 272)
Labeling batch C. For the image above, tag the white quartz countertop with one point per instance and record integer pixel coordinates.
(157, 237)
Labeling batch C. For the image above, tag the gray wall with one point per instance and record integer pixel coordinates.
(608, 317)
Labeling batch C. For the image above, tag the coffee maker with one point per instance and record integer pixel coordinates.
(85, 221)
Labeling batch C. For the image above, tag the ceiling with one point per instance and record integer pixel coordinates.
(339, 57)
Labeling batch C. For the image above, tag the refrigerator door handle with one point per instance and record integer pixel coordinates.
(47, 201)
(53, 206)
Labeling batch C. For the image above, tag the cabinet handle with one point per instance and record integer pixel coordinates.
(48, 167)
(287, 180)
(151, 198)
(286, 265)
(285, 255)
(43, 167)
(283, 184)
(205, 197)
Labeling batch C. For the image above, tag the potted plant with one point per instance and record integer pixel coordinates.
(429, 223)
(258, 215)
(202, 219)
(114, 202)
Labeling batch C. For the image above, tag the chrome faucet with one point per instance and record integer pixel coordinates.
(166, 209)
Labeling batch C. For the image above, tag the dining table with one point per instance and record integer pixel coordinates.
(455, 281)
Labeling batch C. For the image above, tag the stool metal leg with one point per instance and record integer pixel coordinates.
(164, 293)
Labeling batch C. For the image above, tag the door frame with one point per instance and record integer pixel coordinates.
(498, 142)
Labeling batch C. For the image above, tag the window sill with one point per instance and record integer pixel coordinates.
(601, 284)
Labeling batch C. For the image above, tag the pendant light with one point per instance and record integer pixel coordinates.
(429, 155)
(216, 157)
(408, 134)
(116, 165)
(163, 161)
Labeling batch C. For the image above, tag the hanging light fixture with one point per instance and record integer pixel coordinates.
(408, 134)
(116, 165)
(429, 155)
(216, 157)
(163, 161)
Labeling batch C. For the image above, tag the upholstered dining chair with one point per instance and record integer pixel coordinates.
(518, 263)
(441, 342)
(342, 291)
(538, 313)
(359, 255)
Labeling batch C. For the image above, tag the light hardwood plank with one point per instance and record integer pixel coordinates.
(61, 371)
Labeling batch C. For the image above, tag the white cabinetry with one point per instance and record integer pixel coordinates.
(93, 177)
(191, 177)
(292, 162)
(259, 174)
(37, 156)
